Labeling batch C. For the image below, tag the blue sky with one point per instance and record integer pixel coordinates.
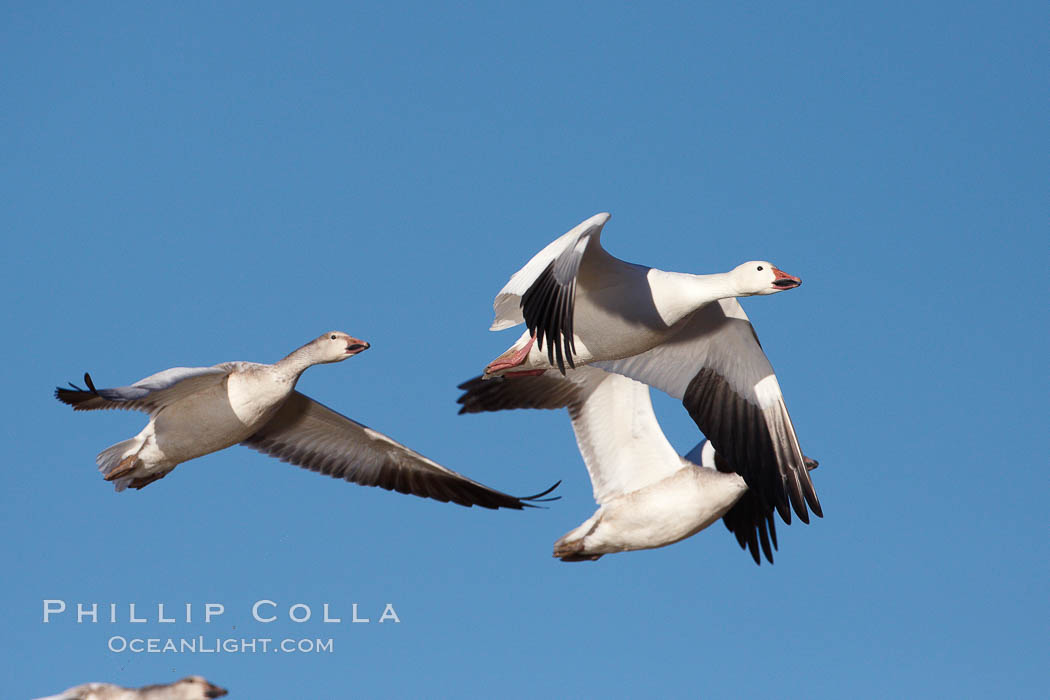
(184, 185)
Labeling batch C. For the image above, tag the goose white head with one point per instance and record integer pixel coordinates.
(336, 346)
(761, 277)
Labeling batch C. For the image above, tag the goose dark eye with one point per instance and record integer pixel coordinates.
(759, 269)
(333, 335)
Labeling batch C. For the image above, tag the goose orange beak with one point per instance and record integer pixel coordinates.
(783, 280)
(354, 346)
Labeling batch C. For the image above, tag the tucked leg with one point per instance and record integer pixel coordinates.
(510, 359)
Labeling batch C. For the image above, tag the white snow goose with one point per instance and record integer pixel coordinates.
(189, 688)
(194, 411)
(588, 305)
(681, 333)
(647, 495)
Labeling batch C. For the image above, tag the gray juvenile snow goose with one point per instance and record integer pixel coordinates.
(189, 688)
(647, 495)
(195, 411)
(681, 333)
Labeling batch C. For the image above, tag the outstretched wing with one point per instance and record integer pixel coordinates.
(83, 692)
(148, 395)
(543, 293)
(749, 520)
(545, 390)
(310, 435)
(616, 430)
(716, 366)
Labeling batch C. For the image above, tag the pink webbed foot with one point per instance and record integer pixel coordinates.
(126, 465)
(508, 359)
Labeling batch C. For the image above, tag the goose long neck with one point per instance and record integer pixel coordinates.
(678, 294)
(296, 362)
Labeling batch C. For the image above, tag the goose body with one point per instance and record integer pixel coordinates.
(194, 411)
(668, 511)
(648, 496)
(684, 334)
(225, 411)
(580, 304)
(189, 688)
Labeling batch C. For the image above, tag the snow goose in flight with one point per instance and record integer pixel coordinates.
(195, 411)
(587, 305)
(683, 334)
(189, 688)
(647, 495)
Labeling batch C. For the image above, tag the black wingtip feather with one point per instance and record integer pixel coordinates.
(752, 547)
(539, 497)
(74, 395)
(752, 524)
(809, 492)
(765, 526)
(547, 307)
(759, 454)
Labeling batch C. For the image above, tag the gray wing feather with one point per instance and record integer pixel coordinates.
(309, 435)
(498, 393)
(716, 365)
(148, 395)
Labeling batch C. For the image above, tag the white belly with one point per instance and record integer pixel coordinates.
(663, 513)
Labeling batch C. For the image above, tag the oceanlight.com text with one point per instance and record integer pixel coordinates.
(219, 645)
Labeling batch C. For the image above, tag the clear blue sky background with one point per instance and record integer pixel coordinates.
(184, 185)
